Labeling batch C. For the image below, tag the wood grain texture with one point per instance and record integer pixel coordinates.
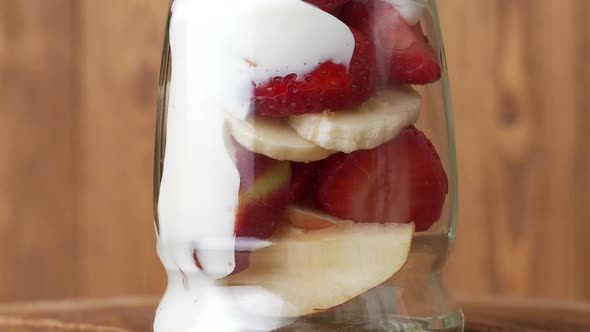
(520, 75)
(39, 150)
(78, 92)
(136, 314)
(121, 61)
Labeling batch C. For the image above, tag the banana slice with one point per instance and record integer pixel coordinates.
(373, 123)
(274, 138)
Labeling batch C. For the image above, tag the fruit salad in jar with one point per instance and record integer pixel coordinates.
(292, 175)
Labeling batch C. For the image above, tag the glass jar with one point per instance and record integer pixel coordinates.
(305, 175)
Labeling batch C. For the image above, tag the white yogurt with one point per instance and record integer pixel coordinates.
(219, 48)
(410, 10)
(193, 306)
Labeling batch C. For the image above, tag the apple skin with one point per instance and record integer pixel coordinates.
(309, 219)
(262, 198)
(263, 195)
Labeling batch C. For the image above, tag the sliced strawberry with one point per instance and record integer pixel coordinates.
(263, 194)
(302, 180)
(319, 90)
(400, 181)
(403, 50)
(358, 14)
(363, 70)
(329, 6)
(328, 87)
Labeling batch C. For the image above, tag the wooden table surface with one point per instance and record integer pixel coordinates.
(136, 314)
(78, 92)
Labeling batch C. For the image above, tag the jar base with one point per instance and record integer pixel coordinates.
(411, 301)
(450, 322)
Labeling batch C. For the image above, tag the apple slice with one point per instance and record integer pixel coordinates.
(263, 195)
(309, 219)
(313, 271)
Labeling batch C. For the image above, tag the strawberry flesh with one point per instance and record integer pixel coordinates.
(329, 6)
(402, 50)
(330, 86)
(304, 175)
(401, 181)
(363, 71)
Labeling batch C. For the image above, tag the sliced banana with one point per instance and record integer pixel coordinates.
(274, 138)
(373, 123)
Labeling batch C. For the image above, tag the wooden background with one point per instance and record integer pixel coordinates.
(77, 99)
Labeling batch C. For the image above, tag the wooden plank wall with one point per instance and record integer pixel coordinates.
(77, 94)
(521, 76)
(40, 150)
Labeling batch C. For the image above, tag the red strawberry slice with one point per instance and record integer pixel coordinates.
(404, 50)
(329, 6)
(358, 14)
(400, 181)
(328, 87)
(363, 70)
(302, 180)
(263, 194)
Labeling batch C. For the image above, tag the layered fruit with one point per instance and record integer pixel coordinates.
(333, 171)
(330, 175)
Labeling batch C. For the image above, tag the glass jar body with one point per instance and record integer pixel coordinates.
(305, 175)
